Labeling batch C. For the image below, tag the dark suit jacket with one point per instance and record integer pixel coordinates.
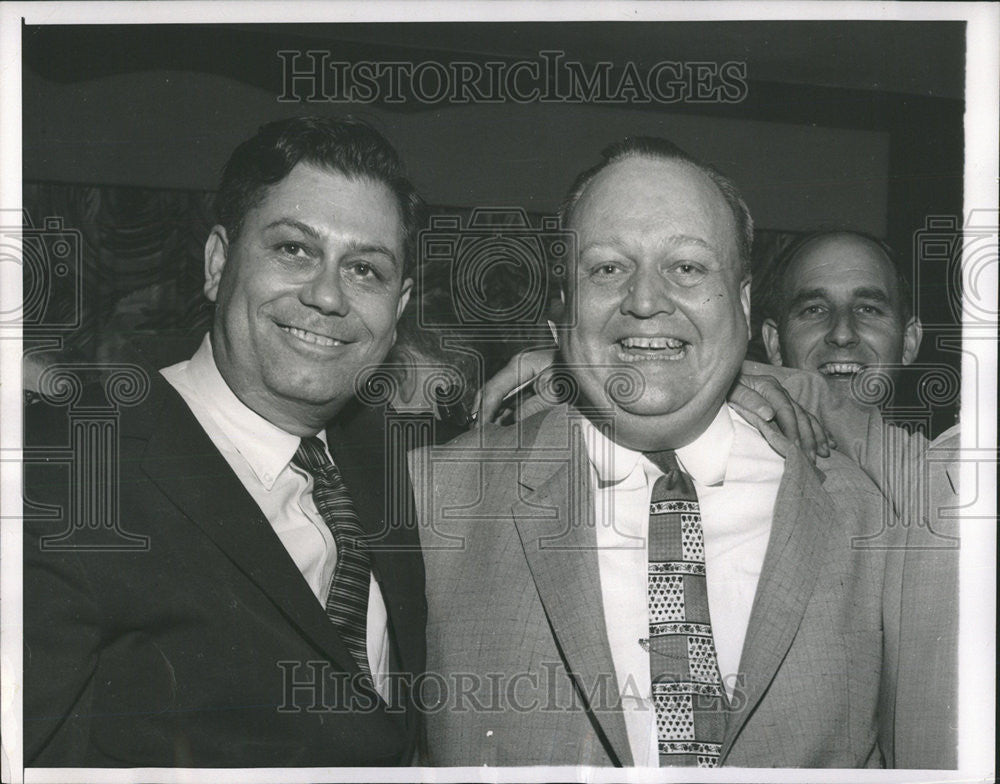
(515, 610)
(194, 650)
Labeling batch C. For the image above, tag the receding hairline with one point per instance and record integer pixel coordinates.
(861, 239)
(657, 149)
(577, 196)
(816, 244)
(573, 204)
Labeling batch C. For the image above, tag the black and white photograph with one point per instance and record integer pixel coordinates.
(504, 392)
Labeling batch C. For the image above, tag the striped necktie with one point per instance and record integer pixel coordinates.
(688, 694)
(347, 601)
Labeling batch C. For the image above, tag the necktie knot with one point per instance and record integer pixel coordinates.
(666, 461)
(311, 456)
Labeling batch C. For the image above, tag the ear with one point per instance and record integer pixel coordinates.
(404, 297)
(912, 335)
(745, 302)
(558, 311)
(405, 367)
(769, 332)
(216, 254)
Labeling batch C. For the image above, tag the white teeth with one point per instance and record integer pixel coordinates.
(651, 349)
(840, 368)
(312, 337)
(677, 353)
(651, 342)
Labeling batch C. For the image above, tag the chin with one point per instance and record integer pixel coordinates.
(307, 387)
(652, 433)
(652, 406)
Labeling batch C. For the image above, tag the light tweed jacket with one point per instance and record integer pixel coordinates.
(519, 661)
(920, 481)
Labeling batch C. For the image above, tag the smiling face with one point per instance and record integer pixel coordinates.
(842, 312)
(308, 294)
(659, 289)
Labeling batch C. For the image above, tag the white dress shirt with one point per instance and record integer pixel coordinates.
(736, 476)
(260, 455)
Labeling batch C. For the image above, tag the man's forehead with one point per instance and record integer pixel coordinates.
(623, 240)
(842, 264)
(648, 178)
(844, 253)
(320, 197)
(654, 200)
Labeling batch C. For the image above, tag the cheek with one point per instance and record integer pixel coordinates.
(249, 294)
(377, 312)
(715, 313)
(592, 312)
(885, 339)
(583, 344)
(799, 340)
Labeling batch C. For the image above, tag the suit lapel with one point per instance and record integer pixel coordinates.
(788, 575)
(182, 460)
(561, 551)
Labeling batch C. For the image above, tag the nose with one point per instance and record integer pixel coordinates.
(324, 291)
(648, 294)
(842, 331)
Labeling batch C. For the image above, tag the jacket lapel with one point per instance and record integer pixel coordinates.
(788, 575)
(182, 460)
(561, 550)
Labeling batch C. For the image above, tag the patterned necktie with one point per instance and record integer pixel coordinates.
(347, 602)
(688, 694)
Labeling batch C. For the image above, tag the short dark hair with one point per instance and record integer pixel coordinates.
(664, 149)
(346, 145)
(771, 294)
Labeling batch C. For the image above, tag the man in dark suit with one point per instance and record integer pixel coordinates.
(277, 607)
(637, 577)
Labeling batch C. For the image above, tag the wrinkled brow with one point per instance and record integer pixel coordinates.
(867, 293)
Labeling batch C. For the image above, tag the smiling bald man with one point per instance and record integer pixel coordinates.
(634, 576)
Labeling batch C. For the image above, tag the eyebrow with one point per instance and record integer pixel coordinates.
(865, 292)
(353, 245)
(618, 241)
(878, 295)
(305, 228)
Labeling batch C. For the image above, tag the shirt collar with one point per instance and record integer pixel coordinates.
(266, 447)
(705, 459)
(612, 462)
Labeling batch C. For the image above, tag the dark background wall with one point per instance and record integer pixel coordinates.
(843, 123)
